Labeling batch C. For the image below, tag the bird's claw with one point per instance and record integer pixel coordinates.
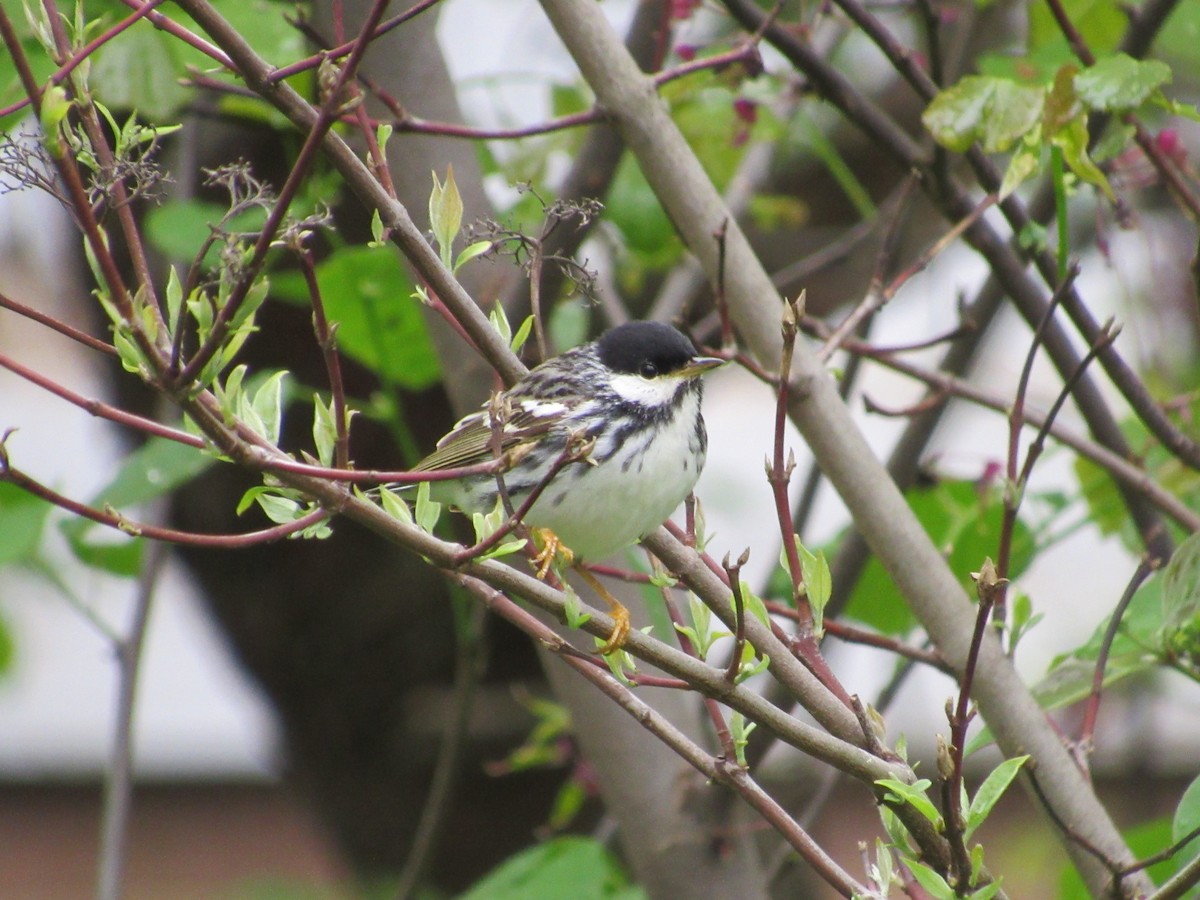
(620, 632)
(552, 548)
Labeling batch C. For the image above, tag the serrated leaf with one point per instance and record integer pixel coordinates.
(1120, 82)
(996, 112)
(1181, 585)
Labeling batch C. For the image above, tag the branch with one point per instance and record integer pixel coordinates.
(723, 771)
(877, 506)
(119, 522)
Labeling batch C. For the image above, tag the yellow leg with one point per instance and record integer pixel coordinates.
(617, 610)
(552, 548)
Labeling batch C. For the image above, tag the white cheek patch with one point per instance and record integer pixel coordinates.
(645, 391)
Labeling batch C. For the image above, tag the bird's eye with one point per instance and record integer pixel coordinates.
(648, 370)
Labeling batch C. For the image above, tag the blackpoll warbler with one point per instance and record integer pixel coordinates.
(625, 409)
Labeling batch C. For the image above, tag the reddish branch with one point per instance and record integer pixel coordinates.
(116, 520)
(333, 102)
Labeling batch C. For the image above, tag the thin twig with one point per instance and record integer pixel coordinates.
(1091, 710)
(334, 100)
(469, 660)
(54, 324)
(724, 771)
(119, 522)
(118, 780)
(326, 341)
(989, 585)
(733, 571)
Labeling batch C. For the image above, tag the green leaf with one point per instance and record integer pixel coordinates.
(634, 211)
(153, 470)
(268, 405)
(499, 319)
(140, 70)
(740, 729)
(180, 227)
(990, 792)
(278, 508)
(818, 584)
(987, 892)
(22, 518)
(324, 430)
(1025, 163)
(394, 506)
(522, 335)
(1073, 138)
(1120, 82)
(427, 511)
(996, 112)
(914, 795)
(573, 612)
(55, 107)
(579, 868)
(1143, 840)
(174, 295)
(367, 292)
(934, 883)
(960, 518)
(471, 252)
(1181, 585)
(1102, 24)
(445, 213)
(8, 647)
(1185, 821)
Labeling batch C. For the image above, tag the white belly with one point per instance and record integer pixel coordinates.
(597, 510)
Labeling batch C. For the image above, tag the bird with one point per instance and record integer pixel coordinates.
(612, 435)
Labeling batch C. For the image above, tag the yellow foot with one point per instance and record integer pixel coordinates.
(620, 615)
(620, 631)
(552, 547)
